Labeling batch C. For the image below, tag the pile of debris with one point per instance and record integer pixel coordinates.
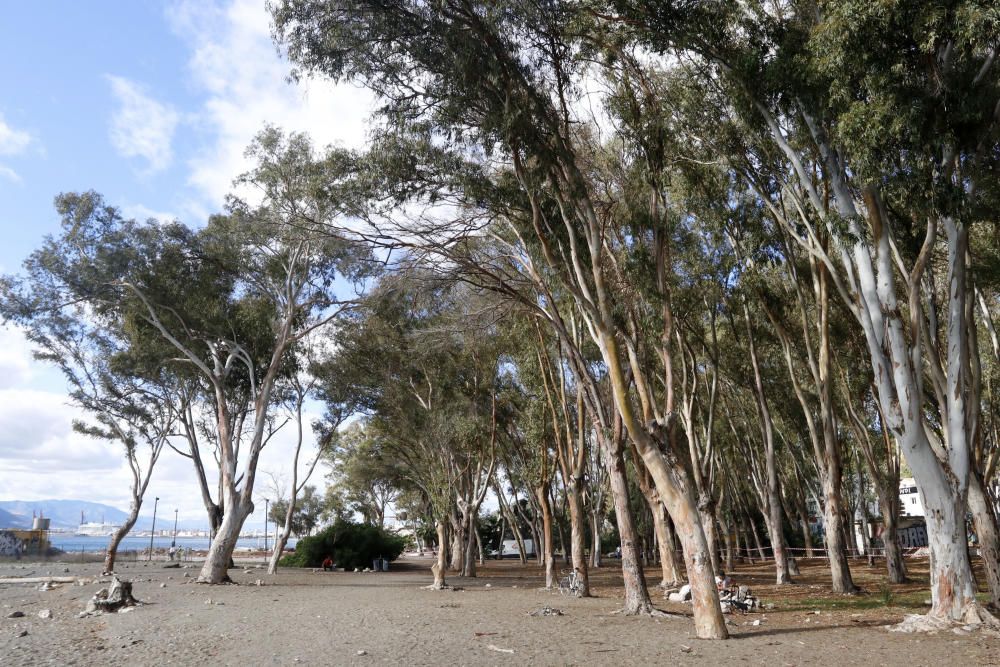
(739, 598)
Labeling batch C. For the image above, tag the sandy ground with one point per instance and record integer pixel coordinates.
(304, 617)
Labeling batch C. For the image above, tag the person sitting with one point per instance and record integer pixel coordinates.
(723, 582)
(328, 564)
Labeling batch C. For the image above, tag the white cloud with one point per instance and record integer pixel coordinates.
(16, 365)
(143, 213)
(235, 63)
(9, 174)
(12, 141)
(141, 126)
(42, 458)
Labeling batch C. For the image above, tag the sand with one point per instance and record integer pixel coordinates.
(304, 617)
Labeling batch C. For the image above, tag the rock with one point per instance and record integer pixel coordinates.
(65, 569)
(546, 611)
(489, 585)
(362, 652)
(357, 570)
(208, 601)
(45, 613)
(125, 610)
(186, 575)
(259, 582)
(16, 614)
(22, 633)
(163, 585)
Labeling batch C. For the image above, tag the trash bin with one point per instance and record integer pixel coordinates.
(376, 565)
(385, 564)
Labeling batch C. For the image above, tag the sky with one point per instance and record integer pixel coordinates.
(152, 104)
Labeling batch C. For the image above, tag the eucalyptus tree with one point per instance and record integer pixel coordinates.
(120, 402)
(425, 371)
(885, 153)
(229, 301)
(364, 474)
(295, 513)
(479, 78)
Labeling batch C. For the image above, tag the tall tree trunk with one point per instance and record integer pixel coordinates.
(727, 539)
(577, 535)
(471, 535)
(756, 539)
(773, 516)
(665, 542)
(595, 539)
(636, 594)
(804, 527)
(457, 543)
(985, 524)
(547, 551)
(281, 539)
(840, 571)
(441, 562)
(894, 562)
(673, 483)
(112, 552)
(220, 554)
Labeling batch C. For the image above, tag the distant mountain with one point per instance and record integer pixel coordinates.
(8, 520)
(63, 513)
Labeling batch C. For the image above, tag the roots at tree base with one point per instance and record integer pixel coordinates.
(974, 617)
(652, 612)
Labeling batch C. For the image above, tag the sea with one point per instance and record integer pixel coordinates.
(85, 543)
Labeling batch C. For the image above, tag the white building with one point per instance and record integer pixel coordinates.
(909, 499)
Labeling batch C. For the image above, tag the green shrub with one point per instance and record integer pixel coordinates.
(351, 545)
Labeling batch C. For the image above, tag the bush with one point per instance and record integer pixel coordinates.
(351, 545)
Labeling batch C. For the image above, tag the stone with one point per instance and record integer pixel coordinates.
(16, 614)
(163, 585)
(45, 613)
(22, 633)
(362, 652)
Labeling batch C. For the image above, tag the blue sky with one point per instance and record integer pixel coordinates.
(151, 104)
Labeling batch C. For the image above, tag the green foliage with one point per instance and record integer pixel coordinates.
(351, 545)
(308, 509)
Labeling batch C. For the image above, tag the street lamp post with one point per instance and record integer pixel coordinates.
(266, 501)
(152, 531)
(173, 542)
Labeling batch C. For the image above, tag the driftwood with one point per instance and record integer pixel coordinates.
(38, 580)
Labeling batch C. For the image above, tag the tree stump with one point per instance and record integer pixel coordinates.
(114, 598)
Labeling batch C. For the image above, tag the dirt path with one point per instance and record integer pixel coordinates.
(320, 618)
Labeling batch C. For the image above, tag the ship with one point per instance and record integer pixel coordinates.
(95, 529)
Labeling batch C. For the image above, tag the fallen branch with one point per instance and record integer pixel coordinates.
(38, 580)
(501, 650)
